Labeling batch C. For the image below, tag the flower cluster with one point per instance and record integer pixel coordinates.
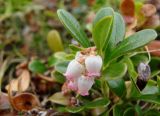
(82, 71)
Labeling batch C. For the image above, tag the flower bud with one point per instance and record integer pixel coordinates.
(73, 85)
(93, 65)
(144, 73)
(84, 85)
(74, 70)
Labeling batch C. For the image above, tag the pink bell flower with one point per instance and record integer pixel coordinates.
(73, 85)
(84, 85)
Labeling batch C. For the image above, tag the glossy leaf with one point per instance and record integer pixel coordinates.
(151, 112)
(37, 66)
(138, 110)
(103, 13)
(100, 102)
(72, 25)
(117, 111)
(118, 87)
(97, 103)
(115, 71)
(58, 77)
(137, 59)
(59, 98)
(74, 109)
(52, 61)
(54, 41)
(133, 42)
(61, 67)
(158, 82)
(117, 34)
(151, 88)
(133, 76)
(101, 32)
(75, 48)
(149, 98)
(60, 56)
(129, 112)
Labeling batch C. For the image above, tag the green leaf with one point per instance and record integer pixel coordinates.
(60, 56)
(75, 48)
(72, 25)
(137, 59)
(133, 42)
(74, 109)
(59, 98)
(115, 71)
(133, 76)
(61, 67)
(100, 102)
(154, 63)
(52, 61)
(118, 87)
(158, 82)
(151, 112)
(118, 32)
(117, 111)
(54, 41)
(97, 103)
(37, 66)
(58, 77)
(101, 32)
(103, 13)
(129, 112)
(149, 98)
(151, 88)
(155, 73)
(138, 110)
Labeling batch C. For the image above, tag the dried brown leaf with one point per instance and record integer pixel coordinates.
(14, 85)
(152, 22)
(21, 83)
(154, 45)
(148, 10)
(4, 102)
(24, 80)
(128, 10)
(25, 102)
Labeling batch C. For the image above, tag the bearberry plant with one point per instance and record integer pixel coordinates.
(99, 72)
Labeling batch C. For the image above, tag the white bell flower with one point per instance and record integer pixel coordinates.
(74, 70)
(93, 65)
(84, 85)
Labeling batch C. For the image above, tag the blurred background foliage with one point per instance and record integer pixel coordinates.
(30, 29)
(25, 23)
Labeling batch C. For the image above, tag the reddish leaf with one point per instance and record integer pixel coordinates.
(154, 45)
(128, 11)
